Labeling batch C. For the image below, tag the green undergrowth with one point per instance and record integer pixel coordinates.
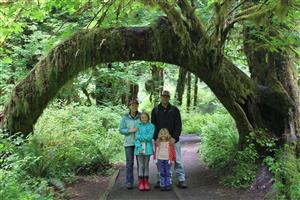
(219, 148)
(67, 141)
(195, 122)
(219, 139)
(285, 167)
(244, 164)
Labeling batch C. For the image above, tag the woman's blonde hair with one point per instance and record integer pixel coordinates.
(163, 132)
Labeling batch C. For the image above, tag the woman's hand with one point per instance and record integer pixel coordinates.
(133, 130)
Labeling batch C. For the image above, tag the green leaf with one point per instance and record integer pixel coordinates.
(7, 60)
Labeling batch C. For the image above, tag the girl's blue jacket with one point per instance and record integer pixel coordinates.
(144, 134)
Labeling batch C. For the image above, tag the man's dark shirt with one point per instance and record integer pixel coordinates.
(169, 118)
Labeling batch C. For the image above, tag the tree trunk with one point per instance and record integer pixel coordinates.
(274, 72)
(134, 90)
(132, 94)
(155, 85)
(180, 85)
(188, 91)
(195, 92)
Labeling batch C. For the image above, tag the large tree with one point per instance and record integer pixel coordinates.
(268, 99)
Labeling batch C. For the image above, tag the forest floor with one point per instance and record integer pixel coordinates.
(202, 183)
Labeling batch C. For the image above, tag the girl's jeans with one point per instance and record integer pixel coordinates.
(129, 153)
(143, 165)
(165, 173)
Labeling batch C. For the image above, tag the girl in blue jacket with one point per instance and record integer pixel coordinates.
(143, 150)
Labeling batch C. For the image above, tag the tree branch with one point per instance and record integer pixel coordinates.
(196, 27)
(85, 49)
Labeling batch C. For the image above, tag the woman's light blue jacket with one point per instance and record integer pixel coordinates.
(144, 134)
(128, 122)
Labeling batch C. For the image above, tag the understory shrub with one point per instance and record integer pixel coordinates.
(74, 139)
(15, 183)
(285, 167)
(243, 169)
(245, 165)
(219, 140)
(195, 121)
(67, 141)
(219, 150)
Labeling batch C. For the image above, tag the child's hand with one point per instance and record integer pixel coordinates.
(158, 143)
(142, 152)
(172, 141)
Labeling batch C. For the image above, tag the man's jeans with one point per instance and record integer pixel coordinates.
(129, 152)
(179, 169)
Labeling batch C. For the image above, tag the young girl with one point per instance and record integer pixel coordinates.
(143, 150)
(166, 155)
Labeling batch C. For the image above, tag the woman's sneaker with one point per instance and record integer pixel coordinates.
(129, 186)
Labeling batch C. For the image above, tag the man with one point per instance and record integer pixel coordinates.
(168, 116)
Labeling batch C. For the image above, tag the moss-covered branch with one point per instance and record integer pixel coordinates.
(85, 49)
(196, 27)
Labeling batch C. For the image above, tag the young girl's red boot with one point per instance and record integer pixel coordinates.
(146, 183)
(141, 185)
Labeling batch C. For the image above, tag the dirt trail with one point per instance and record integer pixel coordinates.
(201, 182)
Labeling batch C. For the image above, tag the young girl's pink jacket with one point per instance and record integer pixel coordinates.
(172, 152)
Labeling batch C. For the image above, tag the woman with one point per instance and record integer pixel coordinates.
(128, 128)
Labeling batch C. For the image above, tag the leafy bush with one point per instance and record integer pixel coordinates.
(244, 169)
(15, 183)
(219, 140)
(68, 141)
(74, 139)
(286, 169)
(219, 149)
(194, 122)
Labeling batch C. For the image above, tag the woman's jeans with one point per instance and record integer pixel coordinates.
(129, 153)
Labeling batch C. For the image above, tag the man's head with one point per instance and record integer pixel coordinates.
(165, 97)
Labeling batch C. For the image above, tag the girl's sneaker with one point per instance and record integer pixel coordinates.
(168, 188)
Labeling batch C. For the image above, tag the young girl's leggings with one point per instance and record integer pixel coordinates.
(143, 165)
(165, 173)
